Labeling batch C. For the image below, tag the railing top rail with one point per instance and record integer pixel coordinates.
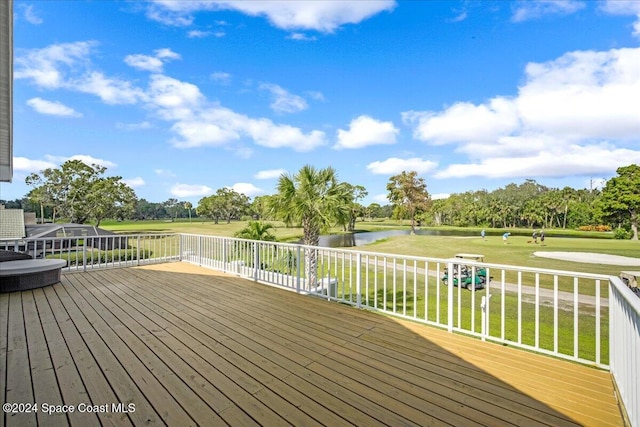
(469, 262)
(626, 293)
(105, 236)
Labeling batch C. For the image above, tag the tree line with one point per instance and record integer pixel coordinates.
(78, 192)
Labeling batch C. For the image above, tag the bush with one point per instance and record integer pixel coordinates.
(621, 234)
(101, 257)
(600, 228)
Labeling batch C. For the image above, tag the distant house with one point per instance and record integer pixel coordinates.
(41, 238)
(11, 224)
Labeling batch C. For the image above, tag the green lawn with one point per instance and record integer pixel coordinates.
(518, 251)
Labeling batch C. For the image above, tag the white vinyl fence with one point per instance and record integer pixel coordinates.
(88, 252)
(624, 342)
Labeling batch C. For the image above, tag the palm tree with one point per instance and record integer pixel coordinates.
(257, 230)
(188, 206)
(315, 199)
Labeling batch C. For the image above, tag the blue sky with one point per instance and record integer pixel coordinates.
(183, 98)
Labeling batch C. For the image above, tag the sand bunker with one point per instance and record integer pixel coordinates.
(591, 258)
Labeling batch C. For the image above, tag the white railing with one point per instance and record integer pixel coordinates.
(559, 313)
(624, 342)
(89, 252)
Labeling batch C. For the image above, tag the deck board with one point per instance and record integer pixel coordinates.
(190, 346)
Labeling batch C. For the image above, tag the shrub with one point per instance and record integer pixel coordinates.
(621, 234)
(101, 257)
(600, 228)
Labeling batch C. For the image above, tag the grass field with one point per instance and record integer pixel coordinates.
(516, 252)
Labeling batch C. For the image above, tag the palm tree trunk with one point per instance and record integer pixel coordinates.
(311, 238)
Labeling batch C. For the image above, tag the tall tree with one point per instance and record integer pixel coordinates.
(357, 193)
(188, 206)
(621, 196)
(226, 203)
(315, 199)
(80, 192)
(408, 193)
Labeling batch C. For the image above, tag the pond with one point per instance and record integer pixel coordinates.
(349, 240)
(359, 239)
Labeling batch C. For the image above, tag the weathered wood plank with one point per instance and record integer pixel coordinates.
(43, 377)
(19, 389)
(125, 389)
(138, 340)
(4, 321)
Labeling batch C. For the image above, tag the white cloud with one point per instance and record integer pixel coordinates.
(134, 182)
(134, 126)
(195, 121)
(166, 54)
(365, 131)
(221, 77)
(247, 189)
(301, 36)
(190, 190)
(283, 100)
(320, 15)
(24, 164)
(144, 62)
(483, 122)
(577, 114)
(173, 98)
(86, 159)
(30, 15)
(526, 10)
(193, 34)
(154, 63)
(219, 126)
(394, 165)
(44, 66)
(52, 108)
(112, 91)
(201, 133)
(270, 174)
(67, 66)
(559, 162)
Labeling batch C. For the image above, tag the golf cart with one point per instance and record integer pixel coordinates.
(467, 276)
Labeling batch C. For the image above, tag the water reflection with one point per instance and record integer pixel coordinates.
(359, 239)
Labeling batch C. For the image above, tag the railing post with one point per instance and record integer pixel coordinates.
(180, 237)
(199, 250)
(138, 251)
(298, 272)
(256, 261)
(84, 256)
(358, 280)
(450, 296)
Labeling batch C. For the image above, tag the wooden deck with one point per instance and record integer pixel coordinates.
(189, 346)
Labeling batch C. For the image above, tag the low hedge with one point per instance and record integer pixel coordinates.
(102, 257)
